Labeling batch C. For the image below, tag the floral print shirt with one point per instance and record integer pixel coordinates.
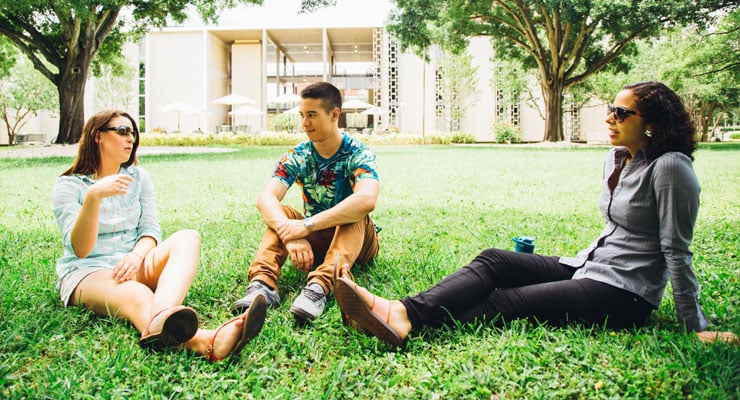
(326, 182)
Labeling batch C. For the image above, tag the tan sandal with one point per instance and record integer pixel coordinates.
(253, 318)
(373, 319)
(170, 327)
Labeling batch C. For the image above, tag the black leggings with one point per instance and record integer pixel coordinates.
(502, 285)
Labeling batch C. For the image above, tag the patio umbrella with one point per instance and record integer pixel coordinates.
(245, 110)
(233, 99)
(355, 104)
(293, 111)
(375, 112)
(179, 107)
(288, 98)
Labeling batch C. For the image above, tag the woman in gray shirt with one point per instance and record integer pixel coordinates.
(649, 201)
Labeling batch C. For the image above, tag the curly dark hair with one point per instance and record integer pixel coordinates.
(662, 109)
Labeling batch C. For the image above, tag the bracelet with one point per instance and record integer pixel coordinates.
(137, 254)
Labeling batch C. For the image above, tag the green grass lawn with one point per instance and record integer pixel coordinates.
(438, 207)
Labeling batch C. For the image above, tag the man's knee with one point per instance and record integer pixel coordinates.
(292, 213)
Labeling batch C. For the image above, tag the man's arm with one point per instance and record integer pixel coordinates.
(352, 209)
(268, 203)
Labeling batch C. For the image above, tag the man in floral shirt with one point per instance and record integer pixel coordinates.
(339, 179)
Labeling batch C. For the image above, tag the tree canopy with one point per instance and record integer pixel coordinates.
(63, 37)
(565, 41)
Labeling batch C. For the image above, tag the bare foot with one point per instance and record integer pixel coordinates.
(224, 339)
(217, 344)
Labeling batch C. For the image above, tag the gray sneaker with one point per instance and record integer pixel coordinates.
(254, 289)
(310, 303)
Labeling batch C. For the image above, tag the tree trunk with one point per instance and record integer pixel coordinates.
(706, 120)
(71, 87)
(553, 92)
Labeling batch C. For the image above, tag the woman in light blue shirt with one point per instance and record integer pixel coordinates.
(115, 262)
(649, 201)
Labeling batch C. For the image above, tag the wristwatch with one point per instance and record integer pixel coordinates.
(308, 223)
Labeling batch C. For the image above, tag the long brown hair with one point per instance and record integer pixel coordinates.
(88, 152)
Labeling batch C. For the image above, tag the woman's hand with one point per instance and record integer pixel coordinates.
(713, 336)
(128, 266)
(112, 185)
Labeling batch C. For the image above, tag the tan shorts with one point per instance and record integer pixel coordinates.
(68, 283)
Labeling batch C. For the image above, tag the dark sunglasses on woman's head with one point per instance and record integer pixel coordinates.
(122, 130)
(620, 113)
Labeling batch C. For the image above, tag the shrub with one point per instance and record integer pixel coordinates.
(291, 139)
(459, 137)
(506, 133)
(277, 139)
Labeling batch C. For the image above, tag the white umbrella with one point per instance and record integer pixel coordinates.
(179, 107)
(233, 99)
(246, 110)
(375, 111)
(355, 104)
(294, 110)
(288, 98)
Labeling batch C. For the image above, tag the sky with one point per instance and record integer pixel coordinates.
(285, 14)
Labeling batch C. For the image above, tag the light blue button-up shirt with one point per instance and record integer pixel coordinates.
(122, 220)
(650, 207)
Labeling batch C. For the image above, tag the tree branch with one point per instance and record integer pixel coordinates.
(610, 55)
(21, 42)
(731, 65)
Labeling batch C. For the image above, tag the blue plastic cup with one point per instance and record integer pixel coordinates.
(524, 244)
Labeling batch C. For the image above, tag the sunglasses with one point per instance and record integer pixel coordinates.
(122, 130)
(620, 113)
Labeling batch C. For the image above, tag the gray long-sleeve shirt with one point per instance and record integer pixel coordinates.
(650, 207)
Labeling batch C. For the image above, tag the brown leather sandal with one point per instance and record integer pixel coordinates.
(254, 319)
(373, 319)
(344, 272)
(170, 327)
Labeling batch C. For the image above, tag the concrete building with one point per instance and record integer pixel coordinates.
(268, 54)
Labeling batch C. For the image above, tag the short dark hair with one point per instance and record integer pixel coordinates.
(670, 125)
(326, 92)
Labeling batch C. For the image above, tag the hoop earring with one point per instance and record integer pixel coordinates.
(648, 133)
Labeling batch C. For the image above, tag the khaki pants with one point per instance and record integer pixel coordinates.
(357, 242)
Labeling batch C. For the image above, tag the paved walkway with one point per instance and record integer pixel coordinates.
(71, 150)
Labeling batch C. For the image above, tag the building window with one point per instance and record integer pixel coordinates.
(142, 97)
(572, 122)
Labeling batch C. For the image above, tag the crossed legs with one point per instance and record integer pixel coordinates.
(352, 243)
